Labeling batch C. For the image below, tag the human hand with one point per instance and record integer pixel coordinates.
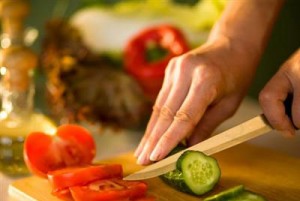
(273, 95)
(201, 89)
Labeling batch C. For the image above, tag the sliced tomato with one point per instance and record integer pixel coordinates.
(72, 145)
(109, 190)
(63, 194)
(74, 176)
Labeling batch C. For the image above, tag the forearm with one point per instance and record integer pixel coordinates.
(247, 23)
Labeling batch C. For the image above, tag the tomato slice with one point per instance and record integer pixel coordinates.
(72, 145)
(63, 194)
(109, 190)
(73, 176)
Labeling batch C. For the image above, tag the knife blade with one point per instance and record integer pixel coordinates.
(243, 132)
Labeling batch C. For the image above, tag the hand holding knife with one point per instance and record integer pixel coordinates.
(229, 138)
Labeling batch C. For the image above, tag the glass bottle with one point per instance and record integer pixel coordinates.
(17, 63)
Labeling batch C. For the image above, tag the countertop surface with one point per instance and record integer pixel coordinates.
(108, 143)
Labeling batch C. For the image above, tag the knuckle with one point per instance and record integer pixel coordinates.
(156, 110)
(265, 97)
(171, 65)
(205, 73)
(166, 113)
(183, 116)
(182, 62)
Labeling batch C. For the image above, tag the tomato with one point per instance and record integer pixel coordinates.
(63, 194)
(150, 74)
(109, 190)
(72, 145)
(73, 176)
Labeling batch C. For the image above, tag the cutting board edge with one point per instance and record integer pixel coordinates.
(17, 194)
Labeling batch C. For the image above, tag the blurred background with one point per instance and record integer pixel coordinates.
(285, 37)
(284, 40)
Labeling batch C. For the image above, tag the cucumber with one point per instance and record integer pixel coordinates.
(227, 194)
(237, 193)
(175, 180)
(196, 173)
(200, 172)
(248, 196)
(177, 149)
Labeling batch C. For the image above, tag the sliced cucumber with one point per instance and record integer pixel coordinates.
(248, 196)
(177, 149)
(227, 194)
(175, 180)
(237, 193)
(196, 173)
(200, 172)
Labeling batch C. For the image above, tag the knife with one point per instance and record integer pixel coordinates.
(243, 132)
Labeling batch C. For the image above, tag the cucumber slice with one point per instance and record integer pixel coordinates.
(175, 180)
(248, 196)
(237, 193)
(227, 194)
(200, 172)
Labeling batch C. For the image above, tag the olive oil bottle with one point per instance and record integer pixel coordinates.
(17, 63)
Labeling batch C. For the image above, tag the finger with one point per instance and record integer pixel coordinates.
(212, 118)
(294, 65)
(200, 95)
(272, 99)
(154, 116)
(160, 100)
(296, 107)
(174, 101)
(162, 96)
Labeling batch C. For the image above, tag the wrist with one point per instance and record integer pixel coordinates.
(240, 49)
(247, 25)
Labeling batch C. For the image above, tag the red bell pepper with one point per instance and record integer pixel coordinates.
(150, 74)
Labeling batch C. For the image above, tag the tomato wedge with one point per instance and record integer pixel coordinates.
(74, 176)
(109, 190)
(72, 145)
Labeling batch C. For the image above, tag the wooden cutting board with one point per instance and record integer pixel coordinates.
(271, 174)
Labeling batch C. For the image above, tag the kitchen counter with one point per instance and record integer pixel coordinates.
(112, 143)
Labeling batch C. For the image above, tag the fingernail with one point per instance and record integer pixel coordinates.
(136, 153)
(155, 155)
(140, 160)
